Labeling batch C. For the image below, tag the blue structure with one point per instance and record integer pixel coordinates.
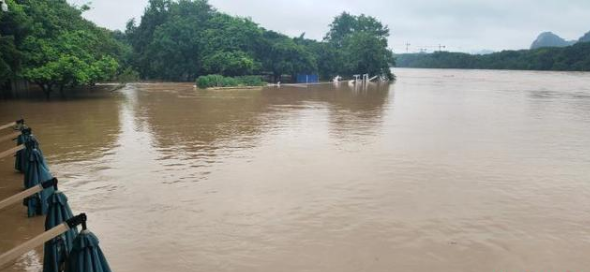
(86, 255)
(302, 78)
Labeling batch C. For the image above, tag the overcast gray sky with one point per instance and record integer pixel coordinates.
(461, 25)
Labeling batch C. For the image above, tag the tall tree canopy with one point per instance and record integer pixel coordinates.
(365, 53)
(49, 43)
(346, 24)
(181, 40)
(12, 33)
(362, 41)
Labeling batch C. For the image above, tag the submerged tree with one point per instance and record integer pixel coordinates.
(362, 41)
(366, 53)
(181, 40)
(49, 43)
(73, 58)
(285, 57)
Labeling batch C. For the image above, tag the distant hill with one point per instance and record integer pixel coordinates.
(550, 39)
(585, 38)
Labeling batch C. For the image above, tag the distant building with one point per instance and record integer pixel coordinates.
(302, 78)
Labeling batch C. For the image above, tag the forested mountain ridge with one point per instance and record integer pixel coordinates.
(570, 58)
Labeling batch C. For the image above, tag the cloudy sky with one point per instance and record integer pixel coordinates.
(461, 25)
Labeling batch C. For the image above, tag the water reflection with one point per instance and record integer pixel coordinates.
(73, 130)
(351, 112)
(198, 120)
(194, 130)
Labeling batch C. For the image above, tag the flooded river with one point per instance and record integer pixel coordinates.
(444, 170)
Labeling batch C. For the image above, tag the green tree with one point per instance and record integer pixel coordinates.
(346, 24)
(168, 43)
(61, 49)
(69, 60)
(14, 26)
(285, 57)
(366, 53)
(184, 39)
(329, 59)
(140, 37)
(230, 63)
(231, 46)
(363, 44)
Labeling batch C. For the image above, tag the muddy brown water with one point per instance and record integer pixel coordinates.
(444, 170)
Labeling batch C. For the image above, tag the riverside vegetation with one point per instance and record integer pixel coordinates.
(570, 58)
(217, 81)
(49, 43)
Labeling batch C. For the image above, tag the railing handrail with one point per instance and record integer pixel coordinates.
(11, 151)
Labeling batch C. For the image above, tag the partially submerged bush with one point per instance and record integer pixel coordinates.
(216, 81)
(252, 80)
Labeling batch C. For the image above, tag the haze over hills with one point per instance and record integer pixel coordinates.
(482, 52)
(570, 58)
(550, 39)
(548, 52)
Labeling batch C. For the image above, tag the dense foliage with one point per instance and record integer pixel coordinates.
(12, 34)
(184, 39)
(211, 81)
(571, 58)
(49, 43)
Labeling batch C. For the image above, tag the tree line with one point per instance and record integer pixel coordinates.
(570, 58)
(49, 43)
(180, 40)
